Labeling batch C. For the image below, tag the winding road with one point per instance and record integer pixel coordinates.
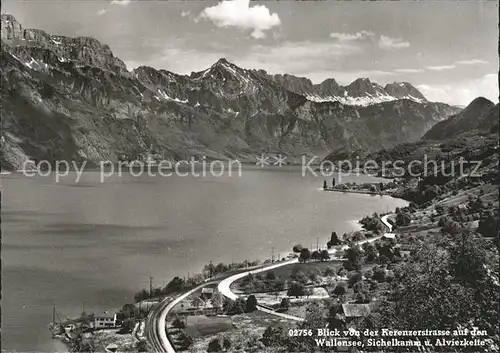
(224, 285)
(156, 321)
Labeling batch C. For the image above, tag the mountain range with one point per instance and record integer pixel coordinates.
(71, 98)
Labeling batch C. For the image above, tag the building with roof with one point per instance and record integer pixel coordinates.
(207, 293)
(104, 320)
(352, 311)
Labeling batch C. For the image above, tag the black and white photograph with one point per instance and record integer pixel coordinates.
(280, 176)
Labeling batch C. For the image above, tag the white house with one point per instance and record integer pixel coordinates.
(104, 321)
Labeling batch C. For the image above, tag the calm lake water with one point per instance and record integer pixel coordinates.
(95, 244)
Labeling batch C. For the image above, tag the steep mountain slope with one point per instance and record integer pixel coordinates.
(360, 92)
(480, 115)
(471, 134)
(71, 98)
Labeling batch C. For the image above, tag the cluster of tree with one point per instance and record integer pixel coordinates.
(268, 282)
(81, 344)
(449, 225)
(372, 223)
(381, 252)
(298, 289)
(184, 341)
(489, 227)
(177, 284)
(322, 255)
(127, 316)
(302, 277)
(210, 270)
(217, 301)
(318, 315)
(305, 255)
(219, 344)
(143, 346)
(240, 305)
(403, 219)
(354, 258)
(449, 283)
(297, 248)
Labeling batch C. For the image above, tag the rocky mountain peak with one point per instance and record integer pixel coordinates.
(362, 87)
(11, 29)
(480, 103)
(34, 45)
(403, 90)
(329, 87)
(301, 85)
(222, 62)
(475, 109)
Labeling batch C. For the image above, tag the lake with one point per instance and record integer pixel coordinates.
(93, 245)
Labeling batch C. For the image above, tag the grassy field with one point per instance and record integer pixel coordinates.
(200, 325)
(314, 266)
(238, 329)
(285, 272)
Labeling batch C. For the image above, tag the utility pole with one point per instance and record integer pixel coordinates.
(83, 307)
(317, 243)
(150, 286)
(272, 254)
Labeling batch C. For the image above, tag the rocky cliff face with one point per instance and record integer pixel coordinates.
(70, 98)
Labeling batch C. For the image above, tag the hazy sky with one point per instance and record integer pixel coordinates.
(448, 49)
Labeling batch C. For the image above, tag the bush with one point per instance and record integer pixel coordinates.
(236, 307)
(272, 336)
(296, 290)
(324, 255)
(403, 219)
(214, 346)
(339, 290)
(127, 326)
(358, 287)
(354, 277)
(143, 346)
(270, 275)
(297, 248)
(251, 304)
(379, 274)
(285, 303)
(178, 323)
(305, 255)
(185, 341)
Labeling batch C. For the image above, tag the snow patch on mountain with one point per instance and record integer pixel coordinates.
(168, 98)
(360, 101)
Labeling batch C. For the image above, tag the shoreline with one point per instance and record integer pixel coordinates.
(353, 224)
(224, 285)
